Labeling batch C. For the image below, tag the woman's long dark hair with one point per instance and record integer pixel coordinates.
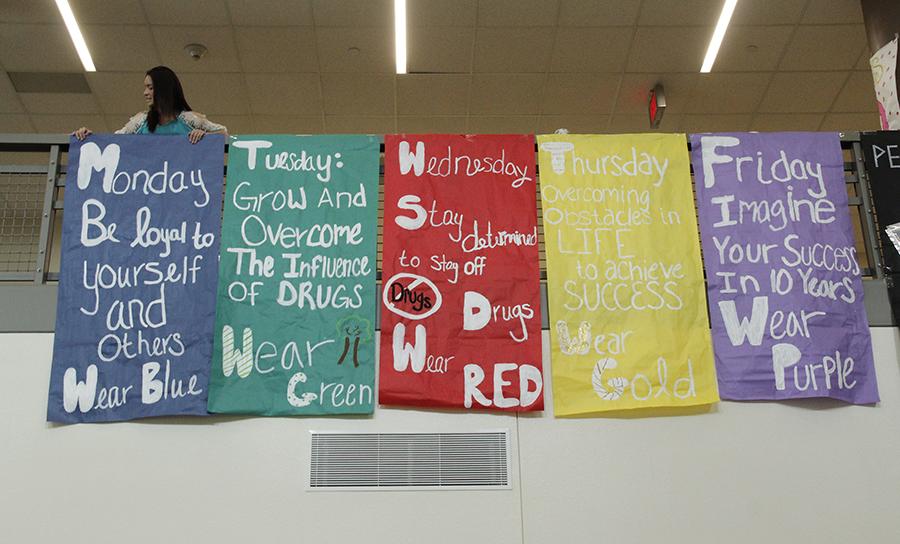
(168, 96)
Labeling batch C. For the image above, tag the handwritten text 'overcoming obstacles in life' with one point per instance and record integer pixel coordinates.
(623, 263)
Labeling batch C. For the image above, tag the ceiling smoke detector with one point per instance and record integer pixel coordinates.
(195, 50)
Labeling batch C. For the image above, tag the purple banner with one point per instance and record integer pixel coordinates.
(785, 296)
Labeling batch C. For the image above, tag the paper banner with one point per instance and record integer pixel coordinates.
(627, 301)
(786, 300)
(137, 281)
(460, 313)
(882, 153)
(884, 73)
(296, 305)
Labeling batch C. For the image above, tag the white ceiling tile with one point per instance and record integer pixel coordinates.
(358, 94)
(277, 49)
(680, 13)
(441, 12)
(845, 122)
(833, 12)
(635, 90)
(728, 92)
(598, 12)
(781, 122)
(518, 50)
(506, 94)
(858, 94)
(715, 123)
(236, 124)
(287, 124)
(635, 123)
(121, 48)
(9, 101)
(66, 124)
(16, 122)
(580, 93)
(119, 12)
(668, 49)
(824, 47)
(355, 124)
(512, 124)
(438, 49)
(115, 122)
(752, 48)
(119, 93)
(284, 94)
(179, 12)
(375, 49)
(437, 94)
(671, 123)
(768, 12)
(802, 92)
(575, 124)
(212, 94)
(355, 13)
(37, 48)
(517, 13)
(219, 40)
(270, 12)
(432, 124)
(71, 103)
(261, 72)
(594, 49)
(13, 11)
(863, 62)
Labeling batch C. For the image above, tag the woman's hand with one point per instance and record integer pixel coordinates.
(195, 135)
(82, 133)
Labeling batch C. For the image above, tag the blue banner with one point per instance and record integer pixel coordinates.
(137, 288)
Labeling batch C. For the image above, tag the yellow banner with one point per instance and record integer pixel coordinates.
(628, 322)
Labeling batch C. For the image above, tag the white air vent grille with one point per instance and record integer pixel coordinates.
(409, 460)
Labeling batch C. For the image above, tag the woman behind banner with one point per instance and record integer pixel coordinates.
(168, 111)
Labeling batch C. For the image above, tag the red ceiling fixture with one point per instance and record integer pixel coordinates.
(656, 105)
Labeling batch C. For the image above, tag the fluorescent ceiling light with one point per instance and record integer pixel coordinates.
(718, 36)
(400, 34)
(75, 33)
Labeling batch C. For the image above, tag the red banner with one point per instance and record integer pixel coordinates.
(461, 319)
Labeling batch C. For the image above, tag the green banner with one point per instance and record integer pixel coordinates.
(296, 301)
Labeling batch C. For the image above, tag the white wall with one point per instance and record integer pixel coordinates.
(745, 472)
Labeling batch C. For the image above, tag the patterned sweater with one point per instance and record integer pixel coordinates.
(191, 118)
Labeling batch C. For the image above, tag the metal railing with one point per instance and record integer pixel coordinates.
(32, 188)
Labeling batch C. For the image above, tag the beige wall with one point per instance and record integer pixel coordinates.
(745, 472)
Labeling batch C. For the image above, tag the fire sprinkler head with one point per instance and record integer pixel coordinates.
(195, 50)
